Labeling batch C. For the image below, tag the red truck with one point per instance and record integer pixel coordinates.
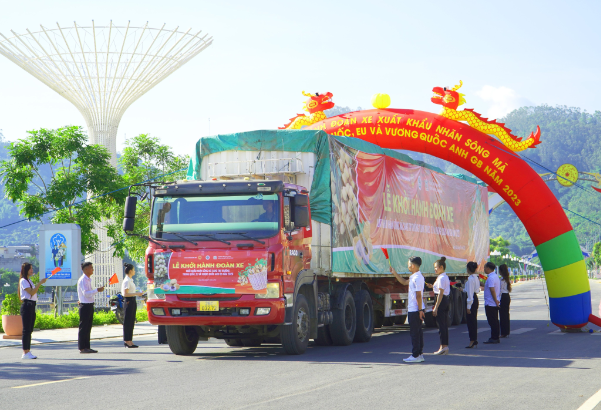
(273, 241)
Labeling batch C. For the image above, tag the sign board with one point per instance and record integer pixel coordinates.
(60, 248)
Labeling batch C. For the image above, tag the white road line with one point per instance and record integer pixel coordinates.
(591, 402)
(521, 331)
(557, 332)
(479, 330)
(50, 382)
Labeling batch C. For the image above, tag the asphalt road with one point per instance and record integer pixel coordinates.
(536, 368)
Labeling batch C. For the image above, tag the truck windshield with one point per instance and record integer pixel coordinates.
(222, 217)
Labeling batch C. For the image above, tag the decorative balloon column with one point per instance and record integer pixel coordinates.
(494, 162)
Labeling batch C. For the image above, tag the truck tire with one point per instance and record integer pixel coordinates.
(400, 319)
(182, 340)
(388, 321)
(324, 338)
(457, 319)
(463, 308)
(342, 329)
(452, 307)
(429, 320)
(234, 342)
(379, 318)
(295, 337)
(363, 313)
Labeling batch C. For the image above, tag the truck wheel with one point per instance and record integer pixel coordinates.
(457, 319)
(252, 342)
(388, 321)
(182, 340)
(452, 307)
(364, 321)
(324, 338)
(400, 319)
(343, 322)
(463, 308)
(379, 318)
(234, 342)
(295, 337)
(429, 320)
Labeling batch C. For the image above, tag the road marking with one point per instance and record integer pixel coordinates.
(50, 382)
(521, 331)
(479, 330)
(557, 332)
(591, 402)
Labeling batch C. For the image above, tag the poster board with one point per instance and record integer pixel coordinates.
(60, 247)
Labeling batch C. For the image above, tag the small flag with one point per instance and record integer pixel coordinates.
(56, 270)
(482, 277)
(114, 279)
(386, 253)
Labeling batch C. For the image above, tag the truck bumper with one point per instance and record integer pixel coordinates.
(229, 313)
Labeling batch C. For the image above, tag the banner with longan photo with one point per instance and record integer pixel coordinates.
(383, 202)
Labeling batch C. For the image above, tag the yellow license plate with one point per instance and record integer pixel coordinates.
(208, 306)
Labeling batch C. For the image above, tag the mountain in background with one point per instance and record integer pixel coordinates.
(568, 135)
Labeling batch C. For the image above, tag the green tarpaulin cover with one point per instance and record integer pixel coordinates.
(309, 141)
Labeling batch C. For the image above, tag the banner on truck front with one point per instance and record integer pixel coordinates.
(383, 202)
(211, 272)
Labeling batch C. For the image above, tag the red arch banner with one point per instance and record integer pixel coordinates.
(504, 171)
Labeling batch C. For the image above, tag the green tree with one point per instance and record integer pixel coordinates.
(11, 278)
(143, 159)
(501, 245)
(77, 170)
(596, 254)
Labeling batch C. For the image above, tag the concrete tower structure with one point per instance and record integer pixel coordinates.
(102, 70)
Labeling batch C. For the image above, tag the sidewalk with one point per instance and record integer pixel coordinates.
(70, 334)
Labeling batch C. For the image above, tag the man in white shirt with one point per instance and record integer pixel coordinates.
(492, 302)
(415, 306)
(85, 294)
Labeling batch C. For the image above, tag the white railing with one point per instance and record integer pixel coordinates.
(255, 167)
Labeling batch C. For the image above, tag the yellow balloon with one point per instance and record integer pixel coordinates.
(381, 100)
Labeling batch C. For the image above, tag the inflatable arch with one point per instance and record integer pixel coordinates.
(504, 171)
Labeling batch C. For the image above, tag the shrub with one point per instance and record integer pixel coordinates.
(141, 315)
(11, 304)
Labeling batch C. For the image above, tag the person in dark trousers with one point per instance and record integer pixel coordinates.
(85, 294)
(29, 298)
(472, 288)
(492, 302)
(441, 288)
(128, 290)
(506, 289)
(415, 307)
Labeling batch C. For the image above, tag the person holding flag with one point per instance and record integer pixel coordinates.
(128, 290)
(85, 294)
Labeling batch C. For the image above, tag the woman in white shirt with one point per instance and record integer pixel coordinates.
(128, 290)
(472, 288)
(506, 288)
(441, 309)
(29, 298)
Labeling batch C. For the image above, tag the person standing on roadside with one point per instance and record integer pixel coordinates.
(128, 290)
(415, 306)
(492, 302)
(29, 298)
(85, 294)
(506, 289)
(441, 288)
(472, 288)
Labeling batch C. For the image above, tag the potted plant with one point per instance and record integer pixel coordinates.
(11, 317)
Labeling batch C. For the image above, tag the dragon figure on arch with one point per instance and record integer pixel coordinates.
(450, 99)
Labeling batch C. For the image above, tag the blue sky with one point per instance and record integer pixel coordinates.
(508, 54)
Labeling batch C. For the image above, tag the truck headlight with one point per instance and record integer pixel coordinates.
(262, 311)
(273, 291)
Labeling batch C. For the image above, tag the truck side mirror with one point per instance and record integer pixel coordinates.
(129, 217)
(301, 210)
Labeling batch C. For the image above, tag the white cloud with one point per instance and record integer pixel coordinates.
(503, 100)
